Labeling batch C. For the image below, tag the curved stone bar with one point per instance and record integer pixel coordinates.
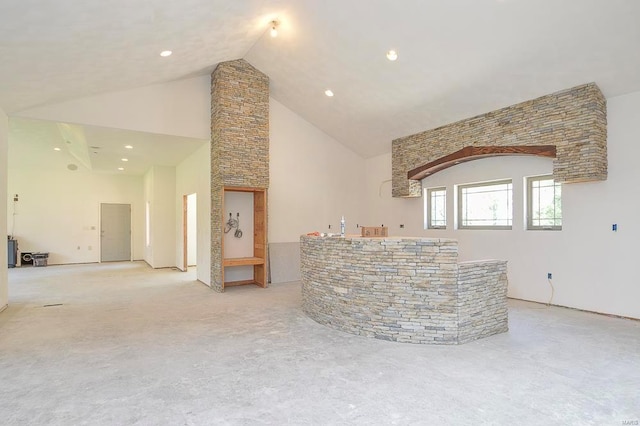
(402, 289)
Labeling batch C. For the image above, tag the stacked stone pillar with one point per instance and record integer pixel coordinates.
(239, 142)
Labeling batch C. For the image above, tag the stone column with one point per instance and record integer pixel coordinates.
(239, 142)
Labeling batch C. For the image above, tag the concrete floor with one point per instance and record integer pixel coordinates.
(131, 345)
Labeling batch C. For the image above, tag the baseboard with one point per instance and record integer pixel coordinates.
(576, 309)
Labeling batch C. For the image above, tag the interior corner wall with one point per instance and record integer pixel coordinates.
(179, 108)
(160, 194)
(4, 141)
(593, 267)
(59, 210)
(314, 180)
(193, 176)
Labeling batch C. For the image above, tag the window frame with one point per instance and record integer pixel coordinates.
(529, 207)
(460, 210)
(428, 192)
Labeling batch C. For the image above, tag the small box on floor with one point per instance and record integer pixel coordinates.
(40, 259)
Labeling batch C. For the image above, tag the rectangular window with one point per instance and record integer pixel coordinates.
(436, 208)
(486, 205)
(544, 203)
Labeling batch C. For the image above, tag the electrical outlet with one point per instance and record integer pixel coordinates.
(549, 275)
(614, 227)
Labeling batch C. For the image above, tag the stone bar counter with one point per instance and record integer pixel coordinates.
(402, 289)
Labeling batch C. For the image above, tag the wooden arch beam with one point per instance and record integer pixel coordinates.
(470, 153)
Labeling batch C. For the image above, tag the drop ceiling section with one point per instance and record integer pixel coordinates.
(93, 148)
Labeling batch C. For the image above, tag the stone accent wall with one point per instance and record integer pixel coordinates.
(482, 295)
(239, 142)
(217, 202)
(240, 125)
(401, 289)
(574, 120)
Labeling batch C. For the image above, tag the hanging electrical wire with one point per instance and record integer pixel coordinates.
(233, 224)
(238, 233)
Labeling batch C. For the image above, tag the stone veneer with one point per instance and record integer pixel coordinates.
(239, 142)
(574, 120)
(402, 289)
(482, 299)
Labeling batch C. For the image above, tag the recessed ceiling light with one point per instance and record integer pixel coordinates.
(328, 92)
(121, 168)
(128, 146)
(392, 55)
(274, 29)
(165, 53)
(56, 149)
(124, 159)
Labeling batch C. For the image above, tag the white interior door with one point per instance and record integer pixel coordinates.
(115, 232)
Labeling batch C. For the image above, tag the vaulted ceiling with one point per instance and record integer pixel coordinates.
(457, 58)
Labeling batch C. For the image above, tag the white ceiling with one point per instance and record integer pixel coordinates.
(457, 58)
(92, 148)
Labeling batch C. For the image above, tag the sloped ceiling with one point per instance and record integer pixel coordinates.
(457, 58)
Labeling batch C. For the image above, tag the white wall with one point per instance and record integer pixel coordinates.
(59, 211)
(314, 179)
(193, 175)
(238, 202)
(4, 135)
(593, 268)
(160, 193)
(180, 108)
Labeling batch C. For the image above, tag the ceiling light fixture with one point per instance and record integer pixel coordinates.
(274, 29)
(329, 93)
(121, 168)
(392, 55)
(128, 146)
(124, 159)
(56, 149)
(165, 53)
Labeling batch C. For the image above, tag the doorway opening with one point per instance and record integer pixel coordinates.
(189, 231)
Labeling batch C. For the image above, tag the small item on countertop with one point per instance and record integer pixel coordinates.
(342, 226)
(374, 231)
(314, 234)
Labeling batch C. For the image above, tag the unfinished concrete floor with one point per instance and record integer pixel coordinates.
(131, 345)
